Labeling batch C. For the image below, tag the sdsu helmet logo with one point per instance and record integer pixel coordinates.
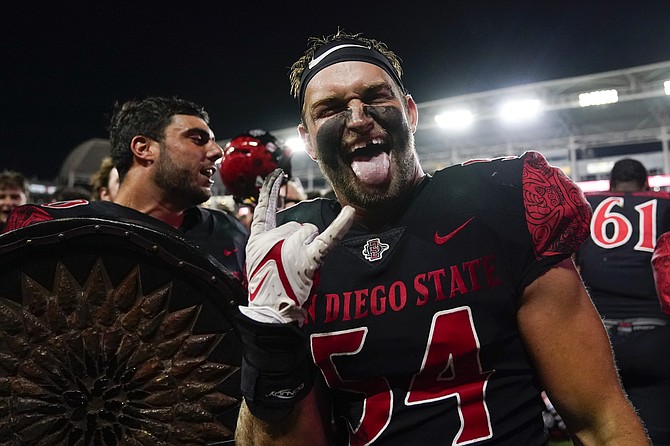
(373, 249)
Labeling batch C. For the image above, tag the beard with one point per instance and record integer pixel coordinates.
(335, 163)
(178, 183)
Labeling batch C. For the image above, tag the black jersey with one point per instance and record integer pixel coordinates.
(615, 261)
(414, 327)
(217, 233)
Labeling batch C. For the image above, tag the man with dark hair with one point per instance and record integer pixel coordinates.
(628, 175)
(14, 192)
(615, 263)
(427, 323)
(166, 155)
(150, 119)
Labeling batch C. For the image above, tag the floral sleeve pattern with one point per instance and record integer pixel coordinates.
(557, 214)
(25, 216)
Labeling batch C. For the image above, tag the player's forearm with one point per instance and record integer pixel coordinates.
(575, 363)
(619, 426)
(591, 400)
(303, 426)
(601, 416)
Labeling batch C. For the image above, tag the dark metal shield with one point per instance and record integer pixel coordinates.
(113, 333)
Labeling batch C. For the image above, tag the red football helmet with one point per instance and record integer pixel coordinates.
(247, 159)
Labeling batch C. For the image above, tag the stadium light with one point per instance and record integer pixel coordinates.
(455, 119)
(600, 97)
(296, 145)
(599, 167)
(666, 85)
(38, 188)
(520, 110)
(594, 185)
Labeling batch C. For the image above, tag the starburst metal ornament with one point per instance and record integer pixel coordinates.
(114, 335)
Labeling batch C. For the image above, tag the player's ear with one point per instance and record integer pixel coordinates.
(304, 136)
(412, 113)
(144, 149)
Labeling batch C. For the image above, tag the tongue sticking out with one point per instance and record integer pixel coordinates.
(372, 169)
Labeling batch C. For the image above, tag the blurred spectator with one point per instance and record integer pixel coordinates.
(14, 192)
(615, 266)
(292, 192)
(69, 193)
(105, 182)
(245, 214)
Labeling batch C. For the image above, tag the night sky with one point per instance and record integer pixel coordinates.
(64, 63)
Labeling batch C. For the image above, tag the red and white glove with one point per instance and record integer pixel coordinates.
(281, 262)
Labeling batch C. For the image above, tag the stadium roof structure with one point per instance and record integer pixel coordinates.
(583, 140)
(83, 161)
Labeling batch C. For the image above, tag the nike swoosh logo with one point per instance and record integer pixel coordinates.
(228, 253)
(273, 256)
(440, 240)
(316, 61)
(253, 293)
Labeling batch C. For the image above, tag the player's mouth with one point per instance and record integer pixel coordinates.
(370, 161)
(368, 149)
(209, 173)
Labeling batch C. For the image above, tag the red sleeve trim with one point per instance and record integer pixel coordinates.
(25, 216)
(557, 214)
(660, 262)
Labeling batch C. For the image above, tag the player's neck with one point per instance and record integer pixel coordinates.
(146, 197)
(628, 186)
(375, 219)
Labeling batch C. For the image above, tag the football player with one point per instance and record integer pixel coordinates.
(414, 309)
(165, 155)
(615, 263)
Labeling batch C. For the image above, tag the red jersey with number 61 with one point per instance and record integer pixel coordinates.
(413, 327)
(615, 261)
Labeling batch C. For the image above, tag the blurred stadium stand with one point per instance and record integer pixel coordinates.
(584, 141)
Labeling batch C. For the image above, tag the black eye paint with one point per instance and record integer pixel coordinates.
(392, 121)
(390, 118)
(329, 138)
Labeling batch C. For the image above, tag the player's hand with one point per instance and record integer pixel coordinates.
(282, 262)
